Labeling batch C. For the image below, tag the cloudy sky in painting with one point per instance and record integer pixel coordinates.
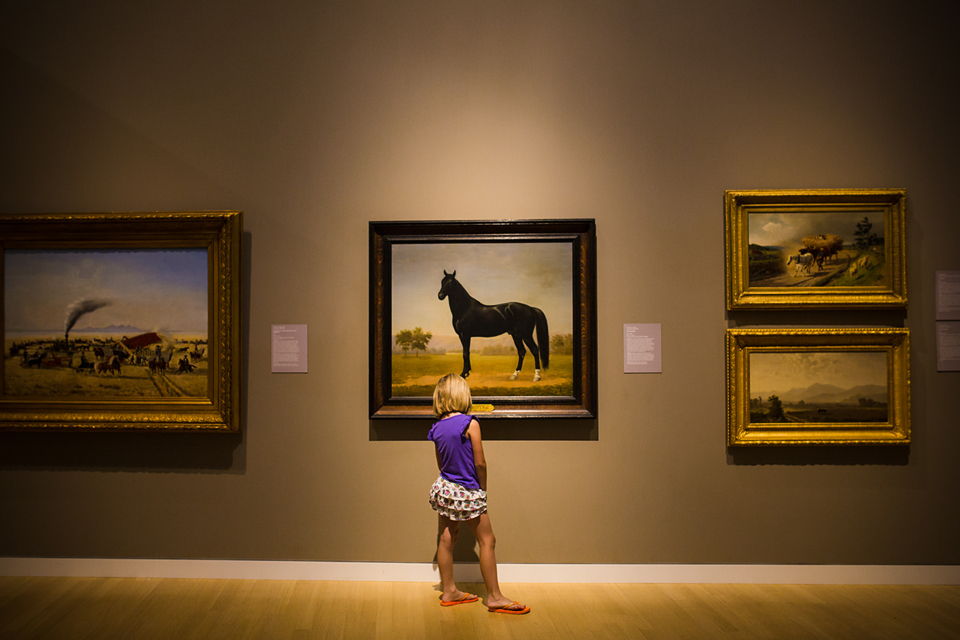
(151, 289)
(779, 372)
(787, 229)
(539, 274)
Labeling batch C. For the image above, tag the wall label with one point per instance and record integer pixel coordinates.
(948, 295)
(641, 348)
(288, 348)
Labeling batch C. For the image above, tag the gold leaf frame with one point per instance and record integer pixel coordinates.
(741, 343)
(220, 233)
(738, 205)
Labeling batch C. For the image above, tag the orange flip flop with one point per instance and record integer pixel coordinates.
(467, 598)
(505, 609)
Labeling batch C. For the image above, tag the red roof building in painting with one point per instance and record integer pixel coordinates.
(142, 340)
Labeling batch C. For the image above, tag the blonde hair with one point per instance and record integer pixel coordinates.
(451, 394)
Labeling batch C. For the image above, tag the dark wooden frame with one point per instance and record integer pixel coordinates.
(581, 233)
(220, 232)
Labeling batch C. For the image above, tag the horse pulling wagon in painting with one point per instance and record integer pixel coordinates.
(27, 361)
(84, 364)
(815, 250)
(44, 360)
(822, 247)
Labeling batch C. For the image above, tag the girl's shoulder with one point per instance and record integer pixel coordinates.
(456, 422)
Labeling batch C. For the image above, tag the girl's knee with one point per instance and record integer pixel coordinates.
(487, 539)
(448, 535)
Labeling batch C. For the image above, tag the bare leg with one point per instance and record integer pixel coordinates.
(483, 532)
(449, 529)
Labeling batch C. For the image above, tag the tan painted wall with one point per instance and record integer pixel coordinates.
(316, 117)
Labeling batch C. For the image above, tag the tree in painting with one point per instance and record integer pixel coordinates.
(417, 339)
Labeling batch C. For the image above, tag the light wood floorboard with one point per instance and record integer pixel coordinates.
(142, 608)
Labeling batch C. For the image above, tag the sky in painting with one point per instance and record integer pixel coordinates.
(163, 290)
(772, 372)
(539, 274)
(785, 229)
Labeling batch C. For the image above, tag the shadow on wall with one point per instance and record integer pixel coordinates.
(492, 429)
(123, 451)
(819, 456)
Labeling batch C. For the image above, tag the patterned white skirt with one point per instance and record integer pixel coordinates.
(456, 501)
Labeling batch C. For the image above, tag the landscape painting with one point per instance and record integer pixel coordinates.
(808, 386)
(819, 386)
(838, 249)
(105, 323)
(509, 305)
(823, 249)
(516, 340)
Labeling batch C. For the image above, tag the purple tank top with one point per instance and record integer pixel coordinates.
(456, 450)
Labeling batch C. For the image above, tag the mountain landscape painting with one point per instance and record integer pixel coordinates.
(819, 386)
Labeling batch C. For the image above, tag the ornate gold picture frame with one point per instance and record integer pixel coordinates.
(788, 249)
(120, 321)
(818, 386)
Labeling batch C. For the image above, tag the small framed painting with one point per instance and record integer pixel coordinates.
(818, 386)
(816, 249)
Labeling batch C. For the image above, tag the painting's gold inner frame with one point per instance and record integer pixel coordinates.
(741, 343)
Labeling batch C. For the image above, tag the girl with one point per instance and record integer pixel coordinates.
(460, 493)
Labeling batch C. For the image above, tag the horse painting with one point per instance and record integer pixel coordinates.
(472, 319)
(111, 366)
(804, 262)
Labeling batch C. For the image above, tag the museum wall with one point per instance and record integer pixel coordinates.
(315, 118)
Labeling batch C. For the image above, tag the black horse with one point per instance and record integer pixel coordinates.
(474, 319)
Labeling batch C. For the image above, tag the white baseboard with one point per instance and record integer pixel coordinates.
(540, 573)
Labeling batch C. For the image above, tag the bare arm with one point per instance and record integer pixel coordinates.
(473, 431)
(439, 462)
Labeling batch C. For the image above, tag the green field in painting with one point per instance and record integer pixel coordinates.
(417, 375)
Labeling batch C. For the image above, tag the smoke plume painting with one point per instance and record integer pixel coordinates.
(124, 322)
(79, 308)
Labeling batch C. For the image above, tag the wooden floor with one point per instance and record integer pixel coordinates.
(142, 608)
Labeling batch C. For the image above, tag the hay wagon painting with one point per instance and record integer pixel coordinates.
(816, 250)
(824, 248)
